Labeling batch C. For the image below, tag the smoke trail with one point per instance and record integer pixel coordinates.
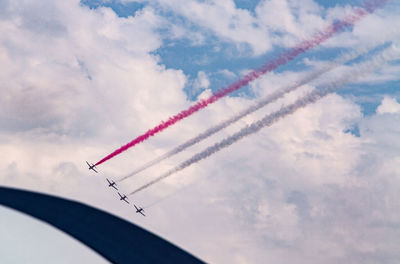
(267, 100)
(269, 119)
(369, 7)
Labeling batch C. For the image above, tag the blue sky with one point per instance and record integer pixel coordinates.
(214, 56)
(81, 78)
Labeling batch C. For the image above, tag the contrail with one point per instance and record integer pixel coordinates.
(349, 20)
(269, 119)
(267, 100)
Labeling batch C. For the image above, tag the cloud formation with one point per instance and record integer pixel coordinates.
(76, 82)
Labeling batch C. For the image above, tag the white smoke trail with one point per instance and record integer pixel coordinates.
(352, 75)
(267, 100)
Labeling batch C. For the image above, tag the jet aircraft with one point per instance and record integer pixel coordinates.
(91, 167)
(112, 184)
(123, 198)
(139, 210)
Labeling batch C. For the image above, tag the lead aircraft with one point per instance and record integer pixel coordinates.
(91, 167)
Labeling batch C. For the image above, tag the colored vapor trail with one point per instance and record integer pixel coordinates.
(349, 20)
(269, 119)
(265, 101)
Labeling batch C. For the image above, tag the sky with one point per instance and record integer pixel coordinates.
(79, 79)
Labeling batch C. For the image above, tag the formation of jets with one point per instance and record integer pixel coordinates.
(123, 197)
(113, 184)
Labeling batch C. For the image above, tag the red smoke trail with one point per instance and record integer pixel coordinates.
(370, 6)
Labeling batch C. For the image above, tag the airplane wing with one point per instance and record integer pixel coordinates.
(94, 170)
(119, 195)
(142, 213)
(115, 187)
(88, 163)
(108, 181)
(136, 207)
(126, 201)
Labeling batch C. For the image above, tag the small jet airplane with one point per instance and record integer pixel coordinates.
(139, 210)
(112, 184)
(123, 198)
(91, 167)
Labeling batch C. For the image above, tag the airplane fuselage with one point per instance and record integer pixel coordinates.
(112, 184)
(123, 198)
(139, 210)
(91, 167)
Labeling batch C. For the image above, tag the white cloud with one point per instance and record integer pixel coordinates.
(224, 20)
(388, 105)
(370, 29)
(294, 20)
(54, 69)
(227, 73)
(201, 82)
(78, 82)
(274, 23)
